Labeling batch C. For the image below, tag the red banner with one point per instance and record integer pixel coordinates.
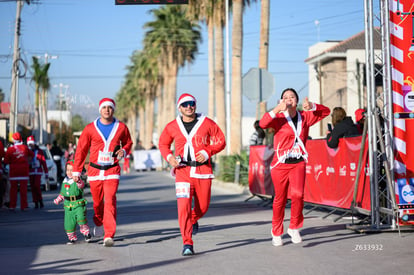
(330, 173)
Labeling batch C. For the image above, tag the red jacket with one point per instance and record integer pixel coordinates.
(284, 138)
(18, 157)
(38, 164)
(206, 137)
(93, 141)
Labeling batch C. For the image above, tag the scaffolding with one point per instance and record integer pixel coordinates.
(384, 213)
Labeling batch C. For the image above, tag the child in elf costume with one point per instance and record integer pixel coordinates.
(74, 203)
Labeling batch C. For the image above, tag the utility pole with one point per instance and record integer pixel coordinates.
(15, 72)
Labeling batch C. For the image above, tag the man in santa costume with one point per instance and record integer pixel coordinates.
(38, 169)
(18, 157)
(108, 140)
(197, 138)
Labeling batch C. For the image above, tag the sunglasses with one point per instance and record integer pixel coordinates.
(188, 103)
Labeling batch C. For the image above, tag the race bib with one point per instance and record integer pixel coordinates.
(36, 163)
(295, 152)
(182, 190)
(105, 158)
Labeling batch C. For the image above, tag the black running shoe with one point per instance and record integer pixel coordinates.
(71, 242)
(195, 228)
(188, 250)
(88, 238)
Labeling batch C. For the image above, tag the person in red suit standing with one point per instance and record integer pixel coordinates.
(197, 138)
(18, 156)
(108, 140)
(288, 167)
(3, 183)
(38, 169)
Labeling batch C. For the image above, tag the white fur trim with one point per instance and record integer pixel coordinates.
(185, 99)
(106, 103)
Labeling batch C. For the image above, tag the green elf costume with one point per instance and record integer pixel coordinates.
(74, 203)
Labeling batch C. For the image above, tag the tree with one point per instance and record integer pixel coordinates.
(264, 46)
(1, 95)
(41, 80)
(177, 38)
(78, 123)
(236, 87)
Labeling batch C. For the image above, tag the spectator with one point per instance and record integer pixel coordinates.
(38, 169)
(126, 165)
(3, 181)
(70, 152)
(139, 146)
(18, 157)
(258, 136)
(360, 119)
(153, 147)
(343, 126)
(57, 155)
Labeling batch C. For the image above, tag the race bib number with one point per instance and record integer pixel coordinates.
(182, 190)
(295, 152)
(105, 158)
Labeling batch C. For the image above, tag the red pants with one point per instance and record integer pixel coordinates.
(200, 190)
(104, 204)
(23, 193)
(288, 177)
(125, 166)
(35, 186)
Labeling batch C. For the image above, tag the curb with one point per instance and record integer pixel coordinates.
(231, 187)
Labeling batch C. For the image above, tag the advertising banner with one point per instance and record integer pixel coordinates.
(402, 66)
(147, 159)
(330, 173)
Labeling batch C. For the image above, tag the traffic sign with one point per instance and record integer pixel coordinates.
(258, 84)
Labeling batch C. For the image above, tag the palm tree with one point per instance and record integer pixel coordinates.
(236, 86)
(177, 39)
(213, 14)
(45, 86)
(148, 82)
(41, 79)
(264, 46)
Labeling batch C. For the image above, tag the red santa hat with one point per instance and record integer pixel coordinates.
(30, 140)
(359, 114)
(106, 102)
(184, 98)
(17, 137)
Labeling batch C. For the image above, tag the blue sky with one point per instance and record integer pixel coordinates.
(93, 41)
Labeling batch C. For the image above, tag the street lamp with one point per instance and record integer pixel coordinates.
(61, 86)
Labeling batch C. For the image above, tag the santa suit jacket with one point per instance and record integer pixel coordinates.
(284, 137)
(38, 164)
(18, 157)
(206, 137)
(94, 141)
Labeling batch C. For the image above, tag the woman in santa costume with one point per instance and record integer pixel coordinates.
(38, 169)
(108, 140)
(288, 165)
(197, 138)
(18, 157)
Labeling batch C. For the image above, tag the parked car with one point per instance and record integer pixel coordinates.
(51, 166)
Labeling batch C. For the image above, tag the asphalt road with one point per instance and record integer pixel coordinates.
(234, 238)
